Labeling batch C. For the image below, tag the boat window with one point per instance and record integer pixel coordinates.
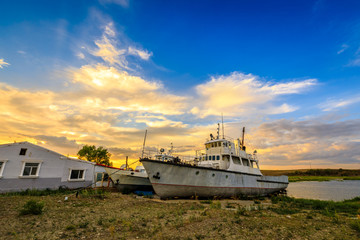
(245, 162)
(212, 144)
(219, 144)
(236, 160)
(218, 157)
(213, 157)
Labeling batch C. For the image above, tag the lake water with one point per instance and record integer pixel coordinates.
(328, 190)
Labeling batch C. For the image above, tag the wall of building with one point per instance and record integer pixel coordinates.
(54, 169)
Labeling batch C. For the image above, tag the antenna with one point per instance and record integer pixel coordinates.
(218, 131)
(142, 154)
(243, 134)
(171, 149)
(222, 123)
(127, 165)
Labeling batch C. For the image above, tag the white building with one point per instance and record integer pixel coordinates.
(25, 165)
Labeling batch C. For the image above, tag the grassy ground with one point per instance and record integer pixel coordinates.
(118, 216)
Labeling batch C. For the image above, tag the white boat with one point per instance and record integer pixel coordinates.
(225, 170)
(127, 181)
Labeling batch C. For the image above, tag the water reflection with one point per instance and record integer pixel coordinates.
(329, 190)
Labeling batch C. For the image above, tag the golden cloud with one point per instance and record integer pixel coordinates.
(240, 93)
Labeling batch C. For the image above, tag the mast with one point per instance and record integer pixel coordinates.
(222, 123)
(127, 165)
(243, 135)
(142, 154)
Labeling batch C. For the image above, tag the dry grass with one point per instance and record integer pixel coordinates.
(118, 216)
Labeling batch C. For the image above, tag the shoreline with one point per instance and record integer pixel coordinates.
(321, 178)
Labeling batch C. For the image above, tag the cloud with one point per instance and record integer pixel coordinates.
(107, 50)
(159, 122)
(144, 55)
(287, 142)
(343, 48)
(114, 51)
(123, 3)
(80, 55)
(3, 63)
(334, 104)
(355, 62)
(240, 93)
(57, 141)
(114, 89)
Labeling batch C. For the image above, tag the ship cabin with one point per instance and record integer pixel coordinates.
(224, 154)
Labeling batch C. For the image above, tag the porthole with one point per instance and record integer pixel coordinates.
(197, 173)
(213, 174)
(227, 176)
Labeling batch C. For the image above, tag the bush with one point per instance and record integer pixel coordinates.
(356, 225)
(215, 205)
(32, 207)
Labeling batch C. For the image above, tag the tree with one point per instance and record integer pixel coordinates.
(98, 155)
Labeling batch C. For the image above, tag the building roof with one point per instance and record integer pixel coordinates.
(45, 149)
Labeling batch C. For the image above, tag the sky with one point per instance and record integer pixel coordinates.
(101, 72)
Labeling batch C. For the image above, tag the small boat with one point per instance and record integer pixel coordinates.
(225, 170)
(128, 180)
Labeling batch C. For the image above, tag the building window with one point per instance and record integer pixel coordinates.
(100, 176)
(76, 174)
(23, 151)
(2, 166)
(31, 169)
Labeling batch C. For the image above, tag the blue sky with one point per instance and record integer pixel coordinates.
(288, 70)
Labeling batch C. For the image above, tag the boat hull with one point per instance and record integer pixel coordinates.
(130, 181)
(180, 180)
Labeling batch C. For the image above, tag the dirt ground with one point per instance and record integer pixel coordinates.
(118, 216)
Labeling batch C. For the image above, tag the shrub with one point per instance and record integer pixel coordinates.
(241, 211)
(356, 225)
(84, 224)
(70, 227)
(32, 207)
(215, 205)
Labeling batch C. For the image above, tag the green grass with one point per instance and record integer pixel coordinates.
(32, 207)
(349, 207)
(320, 178)
(356, 225)
(35, 192)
